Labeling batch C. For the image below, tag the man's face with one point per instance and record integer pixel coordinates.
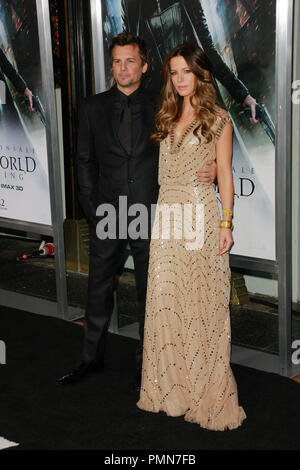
(127, 67)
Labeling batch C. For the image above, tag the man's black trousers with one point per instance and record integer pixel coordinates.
(106, 257)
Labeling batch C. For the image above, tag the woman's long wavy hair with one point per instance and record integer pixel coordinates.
(203, 101)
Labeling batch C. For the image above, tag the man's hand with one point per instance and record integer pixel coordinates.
(207, 175)
(250, 102)
(28, 95)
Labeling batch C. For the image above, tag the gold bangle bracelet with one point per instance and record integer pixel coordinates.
(226, 224)
(227, 212)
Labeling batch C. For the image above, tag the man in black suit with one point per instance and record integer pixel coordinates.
(117, 158)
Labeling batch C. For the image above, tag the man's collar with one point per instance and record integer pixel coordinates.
(134, 97)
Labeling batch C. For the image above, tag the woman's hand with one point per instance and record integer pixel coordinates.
(226, 240)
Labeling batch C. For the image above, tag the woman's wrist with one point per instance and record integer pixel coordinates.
(227, 213)
(226, 224)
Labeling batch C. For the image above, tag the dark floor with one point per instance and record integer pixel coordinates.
(253, 325)
(100, 412)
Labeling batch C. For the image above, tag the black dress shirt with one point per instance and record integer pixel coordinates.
(134, 101)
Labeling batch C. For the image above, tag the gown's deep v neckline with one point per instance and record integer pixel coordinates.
(176, 143)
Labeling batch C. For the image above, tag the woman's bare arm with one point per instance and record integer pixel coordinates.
(225, 182)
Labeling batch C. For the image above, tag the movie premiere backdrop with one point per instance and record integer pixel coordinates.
(24, 184)
(243, 34)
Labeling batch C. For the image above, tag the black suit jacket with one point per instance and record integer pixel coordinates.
(104, 169)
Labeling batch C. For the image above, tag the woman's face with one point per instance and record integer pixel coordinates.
(183, 79)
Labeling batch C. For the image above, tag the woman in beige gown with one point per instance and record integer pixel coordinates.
(186, 355)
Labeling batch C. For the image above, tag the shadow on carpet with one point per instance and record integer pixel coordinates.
(101, 413)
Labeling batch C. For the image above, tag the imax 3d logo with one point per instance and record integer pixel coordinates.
(296, 354)
(2, 352)
(2, 92)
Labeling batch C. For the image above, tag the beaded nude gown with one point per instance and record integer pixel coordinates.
(186, 353)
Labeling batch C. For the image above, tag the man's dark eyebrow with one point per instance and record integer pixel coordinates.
(134, 58)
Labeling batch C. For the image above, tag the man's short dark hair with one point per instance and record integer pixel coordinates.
(126, 39)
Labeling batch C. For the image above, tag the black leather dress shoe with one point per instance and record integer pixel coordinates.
(80, 372)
